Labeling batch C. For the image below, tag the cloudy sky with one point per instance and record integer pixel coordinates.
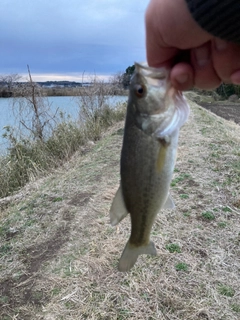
(61, 39)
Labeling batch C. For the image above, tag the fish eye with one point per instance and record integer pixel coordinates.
(139, 90)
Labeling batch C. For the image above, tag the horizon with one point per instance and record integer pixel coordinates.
(63, 77)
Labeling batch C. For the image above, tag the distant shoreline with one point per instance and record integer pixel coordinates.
(59, 92)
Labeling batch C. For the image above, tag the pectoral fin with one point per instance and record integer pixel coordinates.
(169, 204)
(161, 157)
(118, 209)
(180, 115)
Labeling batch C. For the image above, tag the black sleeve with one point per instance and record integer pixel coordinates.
(219, 17)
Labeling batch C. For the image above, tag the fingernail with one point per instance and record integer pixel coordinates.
(235, 77)
(202, 55)
(182, 78)
(220, 44)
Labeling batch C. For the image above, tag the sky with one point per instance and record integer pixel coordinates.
(64, 39)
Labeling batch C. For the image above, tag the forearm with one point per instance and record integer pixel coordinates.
(219, 17)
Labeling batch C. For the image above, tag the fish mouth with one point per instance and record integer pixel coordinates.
(154, 76)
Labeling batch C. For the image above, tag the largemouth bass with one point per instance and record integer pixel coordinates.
(155, 113)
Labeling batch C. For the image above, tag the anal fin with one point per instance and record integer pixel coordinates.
(169, 204)
(118, 210)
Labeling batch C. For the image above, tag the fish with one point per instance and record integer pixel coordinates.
(155, 113)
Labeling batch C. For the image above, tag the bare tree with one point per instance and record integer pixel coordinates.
(32, 110)
(9, 80)
(92, 98)
(8, 84)
(117, 83)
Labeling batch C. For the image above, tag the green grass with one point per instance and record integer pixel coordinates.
(180, 178)
(235, 307)
(208, 215)
(181, 266)
(187, 214)
(184, 196)
(222, 224)
(4, 299)
(173, 247)
(5, 249)
(226, 209)
(55, 291)
(226, 290)
(215, 155)
(57, 199)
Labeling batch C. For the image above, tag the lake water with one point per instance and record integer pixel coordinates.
(67, 105)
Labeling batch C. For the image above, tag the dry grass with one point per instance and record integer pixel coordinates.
(58, 253)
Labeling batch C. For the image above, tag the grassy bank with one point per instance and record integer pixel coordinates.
(59, 254)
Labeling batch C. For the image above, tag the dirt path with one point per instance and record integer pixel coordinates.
(58, 253)
(226, 110)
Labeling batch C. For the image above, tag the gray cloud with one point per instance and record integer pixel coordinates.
(71, 36)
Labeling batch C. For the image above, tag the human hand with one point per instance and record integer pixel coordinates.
(196, 58)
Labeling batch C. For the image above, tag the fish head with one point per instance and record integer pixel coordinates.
(157, 107)
(148, 89)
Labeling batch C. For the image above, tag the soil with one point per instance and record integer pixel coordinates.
(226, 110)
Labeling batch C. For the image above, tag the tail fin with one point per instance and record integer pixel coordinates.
(131, 253)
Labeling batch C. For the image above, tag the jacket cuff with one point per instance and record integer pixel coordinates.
(221, 18)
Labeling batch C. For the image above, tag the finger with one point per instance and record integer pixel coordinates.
(205, 76)
(170, 28)
(225, 57)
(158, 54)
(235, 77)
(181, 76)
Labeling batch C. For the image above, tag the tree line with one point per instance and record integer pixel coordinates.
(10, 86)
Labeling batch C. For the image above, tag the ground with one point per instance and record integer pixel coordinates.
(58, 252)
(227, 110)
